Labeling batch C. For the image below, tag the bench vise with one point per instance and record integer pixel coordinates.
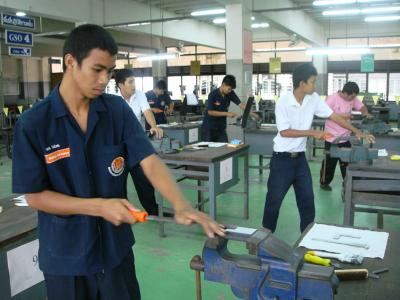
(165, 144)
(375, 126)
(357, 153)
(271, 270)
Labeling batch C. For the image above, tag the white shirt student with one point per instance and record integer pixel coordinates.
(288, 166)
(138, 103)
(137, 100)
(290, 114)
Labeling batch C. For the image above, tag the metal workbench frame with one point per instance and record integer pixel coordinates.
(208, 171)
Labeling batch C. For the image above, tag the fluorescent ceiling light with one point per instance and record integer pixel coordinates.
(385, 46)
(382, 18)
(218, 11)
(343, 12)
(138, 24)
(341, 2)
(50, 33)
(20, 14)
(334, 51)
(253, 18)
(380, 9)
(259, 25)
(368, 1)
(332, 2)
(160, 56)
(281, 49)
(219, 21)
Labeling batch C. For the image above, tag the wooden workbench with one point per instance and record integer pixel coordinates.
(387, 287)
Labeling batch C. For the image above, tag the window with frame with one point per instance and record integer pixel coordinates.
(377, 83)
(205, 84)
(267, 82)
(284, 84)
(188, 83)
(174, 83)
(394, 86)
(147, 83)
(336, 81)
(360, 79)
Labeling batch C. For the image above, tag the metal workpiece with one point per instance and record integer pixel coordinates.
(336, 241)
(271, 270)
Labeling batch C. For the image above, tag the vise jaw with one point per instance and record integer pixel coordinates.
(358, 153)
(271, 270)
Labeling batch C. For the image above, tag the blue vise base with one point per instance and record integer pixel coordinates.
(271, 270)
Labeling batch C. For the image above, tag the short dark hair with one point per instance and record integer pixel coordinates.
(161, 85)
(303, 73)
(351, 88)
(84, 38)
(229, 80)
(122, 75)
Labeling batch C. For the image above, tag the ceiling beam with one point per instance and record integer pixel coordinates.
(123, 11)
(279, 12)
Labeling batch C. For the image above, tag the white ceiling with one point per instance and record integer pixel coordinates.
(316, 11)
(185, 7)
(182, 7)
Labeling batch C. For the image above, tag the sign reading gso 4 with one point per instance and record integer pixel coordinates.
(19, 38)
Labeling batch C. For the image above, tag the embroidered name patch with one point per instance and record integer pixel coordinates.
(117, 166)
(57, 155)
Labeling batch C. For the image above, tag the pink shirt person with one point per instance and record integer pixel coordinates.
(340, 106)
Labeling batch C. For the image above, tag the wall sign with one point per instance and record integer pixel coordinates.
(18, 38)
(275, 65)
(19, 51)
(367, 63)
(22, 22)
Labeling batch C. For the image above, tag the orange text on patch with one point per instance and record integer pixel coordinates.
(56, 155)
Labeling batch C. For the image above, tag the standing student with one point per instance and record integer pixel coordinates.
(288, 166)
(342, 103)
(71, 153)
(213, 128)
(137, 101)
(160, 102)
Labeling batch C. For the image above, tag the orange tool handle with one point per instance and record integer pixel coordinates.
(327, 136)
(140, 216)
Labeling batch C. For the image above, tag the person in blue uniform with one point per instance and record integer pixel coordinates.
(71, 156)
(160, 102)
(213, 128)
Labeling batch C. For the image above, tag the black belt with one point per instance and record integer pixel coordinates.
(290, 154)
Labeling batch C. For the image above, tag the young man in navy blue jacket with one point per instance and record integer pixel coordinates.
(71, 156)
(214, 123)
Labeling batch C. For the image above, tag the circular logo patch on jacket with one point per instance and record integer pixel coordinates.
(117, 166)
